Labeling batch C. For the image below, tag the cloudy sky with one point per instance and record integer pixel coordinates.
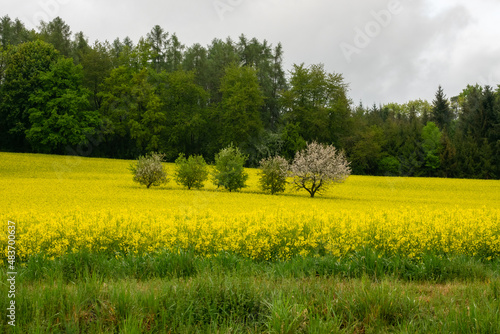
(387, 50)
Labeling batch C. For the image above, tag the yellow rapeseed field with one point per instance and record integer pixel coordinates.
(64, 204)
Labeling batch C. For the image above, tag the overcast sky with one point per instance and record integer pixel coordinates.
(387, 50)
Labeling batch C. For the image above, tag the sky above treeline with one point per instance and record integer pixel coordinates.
(387, 50)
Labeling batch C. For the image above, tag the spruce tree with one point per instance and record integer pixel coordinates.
(442, 114)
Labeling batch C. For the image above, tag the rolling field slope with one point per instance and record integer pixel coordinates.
(65, 204)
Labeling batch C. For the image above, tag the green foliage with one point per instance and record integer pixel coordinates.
(24, 65)
(442, 114)
(97, 65)
(366, 291)
(158, 95)
(158, 38)
(273, 174)
(12, 32)
(292, 140)
(79, 47)
(431, 144)
(241, 102)
(57, 33)
(182, 101)
(147, 117)
(264, 144)
(389, 166)
(149, 170)
(221, 54)
(135, 111)
(285, 315)
(410, 153)
(59, 113)
(117, 103)
(191, 172)
(229, 171)
(318, 101)
(367, 150)
(448, 157)
(431, 137)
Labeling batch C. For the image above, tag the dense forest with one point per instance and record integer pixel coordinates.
(61, 94)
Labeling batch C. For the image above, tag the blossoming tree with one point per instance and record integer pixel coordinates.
(318, 166)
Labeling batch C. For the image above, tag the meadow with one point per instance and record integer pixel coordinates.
(103, 254)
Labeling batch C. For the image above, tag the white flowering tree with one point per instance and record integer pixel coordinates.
(149, 170)
(318, 166)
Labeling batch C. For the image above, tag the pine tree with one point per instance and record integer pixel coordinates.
(442, 114)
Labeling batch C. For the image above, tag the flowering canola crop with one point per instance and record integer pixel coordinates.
(69, 204)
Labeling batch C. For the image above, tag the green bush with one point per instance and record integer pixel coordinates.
(273, 173)
(149, 170)
(229, 171)
(191, 172)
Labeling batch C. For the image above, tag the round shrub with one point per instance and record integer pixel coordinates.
(273, 173)
(229, 172)
(191, 172)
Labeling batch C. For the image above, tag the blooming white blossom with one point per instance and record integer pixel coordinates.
(149, 170)
(318, 166)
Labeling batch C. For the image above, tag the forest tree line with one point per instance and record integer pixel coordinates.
(60, 94)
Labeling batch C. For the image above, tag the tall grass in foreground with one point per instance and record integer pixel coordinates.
(183, 293)
(364, 262)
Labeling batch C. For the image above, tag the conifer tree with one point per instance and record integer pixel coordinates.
(442, 114)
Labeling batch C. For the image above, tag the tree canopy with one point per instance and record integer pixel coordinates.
(58, 92)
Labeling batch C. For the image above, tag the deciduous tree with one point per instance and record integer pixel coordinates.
(59, 112)
(229, 172)
(149, 170)
(431, 144)
(184, 103)
(242, 99)
(191, 172)
(319, 166)
(23, 67)
(318, 101)
(273, 174)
